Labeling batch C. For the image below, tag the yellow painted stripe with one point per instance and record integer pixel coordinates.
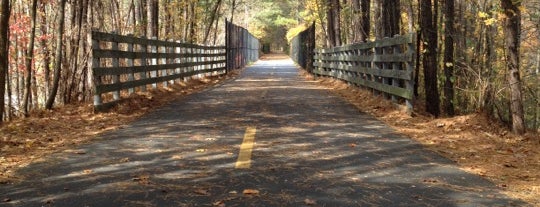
(244, 157)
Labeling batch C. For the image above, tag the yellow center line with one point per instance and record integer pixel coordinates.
(244, 157)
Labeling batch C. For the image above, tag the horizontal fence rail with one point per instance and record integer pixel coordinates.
(302, 46)
(242, 47)
(129, 63)
(385, 66)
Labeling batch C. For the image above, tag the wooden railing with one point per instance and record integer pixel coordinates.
(124, 64)
(385, 66)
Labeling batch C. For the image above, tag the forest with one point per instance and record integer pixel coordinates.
(475, 56)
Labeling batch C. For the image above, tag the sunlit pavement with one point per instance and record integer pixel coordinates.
(267, 138)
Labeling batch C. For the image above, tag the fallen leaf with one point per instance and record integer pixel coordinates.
(352, 145)
(430, 181)
(219, 203)
(509, 165)
(202, 192)
(251, 192)
(310, 202)
(87, 171)
(6, 199)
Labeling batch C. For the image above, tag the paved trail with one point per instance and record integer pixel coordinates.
(287, 141)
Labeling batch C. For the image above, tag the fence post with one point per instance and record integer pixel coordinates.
(385, 81)
(144, 63)
(164, 62)
(170, 60)
(131, 76)
(395, 66)
(178, 59)
(153, 73)
(227, 47)
(409, 84)
(97, 79)
(115, 64)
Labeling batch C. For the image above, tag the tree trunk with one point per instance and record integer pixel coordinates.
(45, 49)
(212, 19)
(448, 65)
(512, 30)
(5, 11)
(429, 60)
(152, 15)
(193, 24)
(58, 55)
(337, 21)
(366, 19)
(333, 23)
(331, 36)
(391, 18)
(28, 60)
(233, 8)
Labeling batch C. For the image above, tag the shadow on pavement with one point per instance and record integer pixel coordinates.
(309, 145)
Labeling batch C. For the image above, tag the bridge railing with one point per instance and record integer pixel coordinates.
(124, 64)
(385, 66)
(242, 47)
(302, 47)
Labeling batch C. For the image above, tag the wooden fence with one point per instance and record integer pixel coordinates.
(385, 66)
(127, 64)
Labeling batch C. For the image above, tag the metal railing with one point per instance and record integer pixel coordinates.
(242, 47)
(302, 47)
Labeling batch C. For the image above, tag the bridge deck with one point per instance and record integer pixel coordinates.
(267, 138)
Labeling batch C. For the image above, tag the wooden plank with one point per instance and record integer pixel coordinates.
(102, 36)
(403, 57)
(105, 88)
(107, 53)
(401, 92)
(386, 42)
(399, 74)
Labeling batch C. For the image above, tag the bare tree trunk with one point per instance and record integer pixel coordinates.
(28, 60)
(152, 15)
(88, 76)
(389, 18)
(512, 30)
(429, 61)
(45, 49)
(193, 24)
(233, 8)
(330, 23)
(58, 55)
(212, 19)
(366, 19)
(336, 6)
(5, 11)
(448, 99)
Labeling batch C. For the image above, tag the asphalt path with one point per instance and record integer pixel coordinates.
(266, 138)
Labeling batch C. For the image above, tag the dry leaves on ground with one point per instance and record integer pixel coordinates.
(27, 140)
(478, 144)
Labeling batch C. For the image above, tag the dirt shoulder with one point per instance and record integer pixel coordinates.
(477, 144)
